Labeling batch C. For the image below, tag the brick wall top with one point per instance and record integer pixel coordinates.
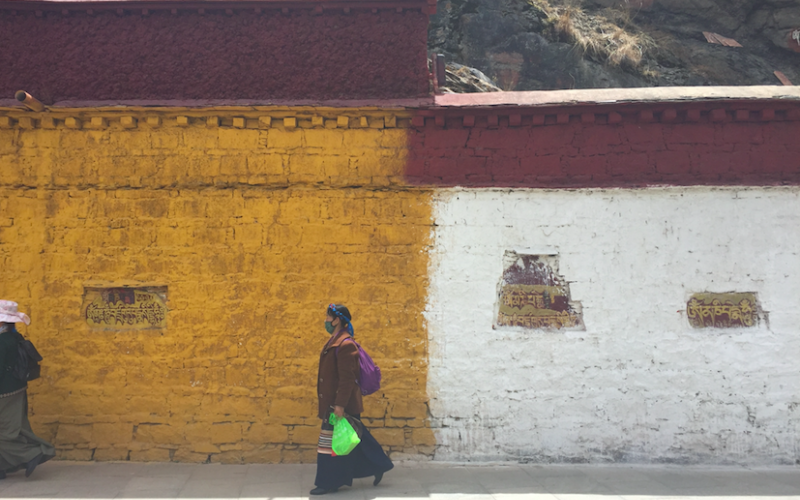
(249, 50)
(616, 138)
(611, 107)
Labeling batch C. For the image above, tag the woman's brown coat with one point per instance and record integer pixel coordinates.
(336, 381)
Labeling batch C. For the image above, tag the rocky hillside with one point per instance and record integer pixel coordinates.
(557, 44)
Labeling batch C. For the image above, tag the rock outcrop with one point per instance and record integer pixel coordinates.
(539, 44)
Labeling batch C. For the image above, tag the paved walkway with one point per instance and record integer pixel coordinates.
(77, 480)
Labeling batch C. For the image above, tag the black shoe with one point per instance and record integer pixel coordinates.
(322, 491)
(33, 463)
(2, 474)
(378, 478)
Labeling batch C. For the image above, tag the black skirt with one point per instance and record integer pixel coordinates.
(367, 459)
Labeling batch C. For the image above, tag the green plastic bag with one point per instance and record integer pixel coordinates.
(345, 438)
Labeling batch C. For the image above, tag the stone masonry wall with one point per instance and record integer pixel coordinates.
(636, 382)
(253, 230)
(252, 219)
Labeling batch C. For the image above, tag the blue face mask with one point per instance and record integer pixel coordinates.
(329, 327)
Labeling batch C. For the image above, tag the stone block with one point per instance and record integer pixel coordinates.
(305, 435)
(110, 454)
(200, 447)
(159, 434)
(150, 455)
(73, 434)
(408, 409)
(128, 121)
(389, 437)
(300, 455)
(227, 457)
(266, 433)
(330, 140)
(423, 437)
(187, 456)
(105, 434)
(26, 122)
(226, 433)
(362, 140)
(236, 138)
(270, 165)
(78, 455)
(167, 138)
(284, 139)
(48, 122)
(267, 455)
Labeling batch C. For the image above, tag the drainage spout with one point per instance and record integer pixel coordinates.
(29, 101)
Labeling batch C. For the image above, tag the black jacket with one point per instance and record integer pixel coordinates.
(9, 344)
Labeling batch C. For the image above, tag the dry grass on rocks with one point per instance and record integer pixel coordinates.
(607, 35)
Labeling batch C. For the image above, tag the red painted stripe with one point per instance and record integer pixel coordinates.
(696, 147)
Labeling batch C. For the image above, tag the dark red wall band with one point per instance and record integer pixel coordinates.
(216, 55)
(525, 147)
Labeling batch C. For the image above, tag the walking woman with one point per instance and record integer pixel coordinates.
(20, 448)
(339, 393)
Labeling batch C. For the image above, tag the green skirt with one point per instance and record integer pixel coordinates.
(18, 443)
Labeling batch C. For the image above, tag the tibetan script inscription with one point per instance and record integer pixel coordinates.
(532, 295)
(126, 308)
(723, 310)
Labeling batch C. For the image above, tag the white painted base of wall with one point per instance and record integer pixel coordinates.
(639, 385)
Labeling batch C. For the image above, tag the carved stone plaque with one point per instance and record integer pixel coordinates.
(125, 308)
(533, 295)
(723, 310)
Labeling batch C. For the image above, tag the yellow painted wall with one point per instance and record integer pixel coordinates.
(255, 219)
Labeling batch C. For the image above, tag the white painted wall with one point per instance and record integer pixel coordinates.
(639, 385)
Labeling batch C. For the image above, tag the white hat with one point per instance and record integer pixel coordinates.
(10, 314)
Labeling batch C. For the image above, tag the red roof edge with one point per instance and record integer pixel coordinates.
(252, 104)
(722, 97)
(427, 6)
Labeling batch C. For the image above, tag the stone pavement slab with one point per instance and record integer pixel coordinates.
(434, 481)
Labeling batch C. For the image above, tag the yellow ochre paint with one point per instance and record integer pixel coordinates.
(253, 220)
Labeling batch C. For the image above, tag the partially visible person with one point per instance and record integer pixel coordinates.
(339, 393)
(20, 448)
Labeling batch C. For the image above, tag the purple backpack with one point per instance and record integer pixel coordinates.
(370, 373)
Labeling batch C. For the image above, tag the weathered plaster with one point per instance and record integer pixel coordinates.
(253, 231)
(640, 384)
